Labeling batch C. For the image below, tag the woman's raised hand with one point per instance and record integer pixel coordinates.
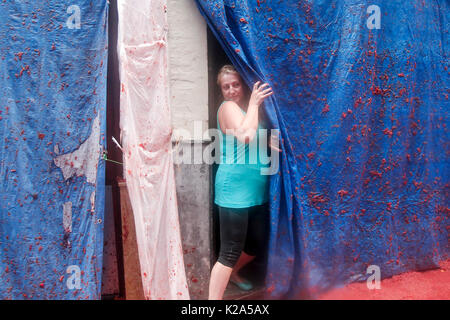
(259, 93)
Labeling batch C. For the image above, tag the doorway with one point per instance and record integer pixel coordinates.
(255, 270)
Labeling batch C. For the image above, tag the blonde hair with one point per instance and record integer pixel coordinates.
(228, 68)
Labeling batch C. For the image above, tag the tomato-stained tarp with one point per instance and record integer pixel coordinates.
(361, 99)
(146, 130)
(53, 58)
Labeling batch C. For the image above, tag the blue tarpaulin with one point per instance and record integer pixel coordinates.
(53, 58)
(361, 99)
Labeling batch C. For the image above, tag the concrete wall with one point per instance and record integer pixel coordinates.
(188, 66)
(188, 71)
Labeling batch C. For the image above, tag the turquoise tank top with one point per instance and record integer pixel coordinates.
(239, 182)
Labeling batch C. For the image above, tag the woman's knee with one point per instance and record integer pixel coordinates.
(233, 232)
(229, 257)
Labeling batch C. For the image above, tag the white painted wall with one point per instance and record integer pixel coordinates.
(188, 69)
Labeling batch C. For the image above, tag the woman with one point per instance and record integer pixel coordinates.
(241, 191)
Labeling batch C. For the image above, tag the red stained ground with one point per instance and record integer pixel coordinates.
(426, 285)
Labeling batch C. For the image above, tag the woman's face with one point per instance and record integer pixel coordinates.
(231, 86)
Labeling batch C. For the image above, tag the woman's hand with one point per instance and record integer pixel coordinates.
(274, 141)
(260, 93)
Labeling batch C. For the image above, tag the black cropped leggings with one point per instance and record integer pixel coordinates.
(242, 229)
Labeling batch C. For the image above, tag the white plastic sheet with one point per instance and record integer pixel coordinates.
(146, 136)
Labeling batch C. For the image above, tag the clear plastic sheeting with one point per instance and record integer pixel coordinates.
(146, 137)
(361, 98)
(53, 58)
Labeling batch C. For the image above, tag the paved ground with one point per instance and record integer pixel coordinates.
(426, 285)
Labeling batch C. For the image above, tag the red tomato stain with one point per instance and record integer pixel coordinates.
(342, 192)
(271, 289)
(387, 132)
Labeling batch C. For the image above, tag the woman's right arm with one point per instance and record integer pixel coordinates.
(232, 121)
